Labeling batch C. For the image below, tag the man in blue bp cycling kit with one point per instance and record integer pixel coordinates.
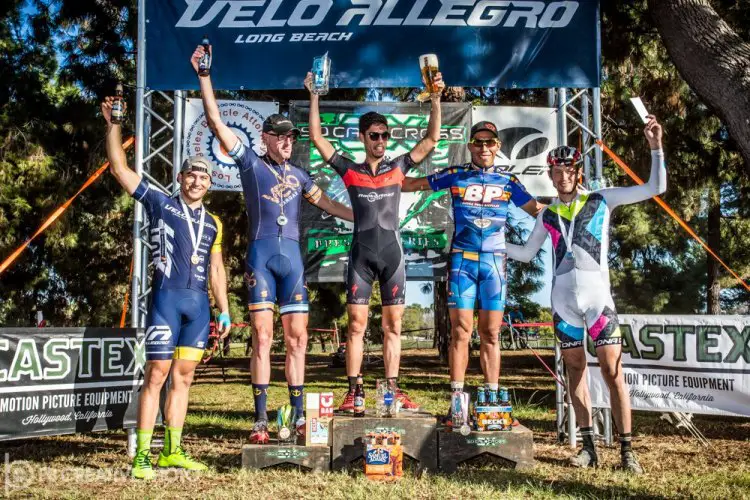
(480, 193)
(578, 224)
(274, 272)
(186, 241)
(374, 188)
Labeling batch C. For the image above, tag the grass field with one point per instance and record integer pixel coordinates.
(219, 420)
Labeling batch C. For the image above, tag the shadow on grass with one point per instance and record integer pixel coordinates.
(502, 479)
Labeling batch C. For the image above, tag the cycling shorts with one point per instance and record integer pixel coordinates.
(177, 324)
(581, 299)
(274, 272)
(376, 254)
(477, 276)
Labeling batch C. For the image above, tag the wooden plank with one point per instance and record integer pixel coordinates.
(264, 456)
(417, 430)
(515, 447)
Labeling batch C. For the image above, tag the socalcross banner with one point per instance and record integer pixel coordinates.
(245, 118)
(688, 364)
(270, 44)
(425, 219)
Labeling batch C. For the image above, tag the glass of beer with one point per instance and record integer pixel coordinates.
(428, 65)
(321, 70)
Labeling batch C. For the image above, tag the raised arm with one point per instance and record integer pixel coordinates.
(428, 143)
(524, 253)
(334, 208)
(324, 147)
(657, 181)
(226, 137)
(118, 163)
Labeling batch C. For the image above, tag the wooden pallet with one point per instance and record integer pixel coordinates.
(264, 456)
(417, 437)
(516, 447)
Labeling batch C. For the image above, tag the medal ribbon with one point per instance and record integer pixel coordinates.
(195, 240)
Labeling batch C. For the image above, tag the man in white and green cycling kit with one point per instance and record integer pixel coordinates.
(578, 224)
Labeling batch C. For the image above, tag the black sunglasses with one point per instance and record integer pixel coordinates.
(480, 143)
(284, 137)
(374, 136)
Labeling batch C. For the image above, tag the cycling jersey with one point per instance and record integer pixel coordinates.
(274, 268)
(580, 241)
(480, 199)
(170, 237)
(267, 187)
(376, 251)
(374, 197)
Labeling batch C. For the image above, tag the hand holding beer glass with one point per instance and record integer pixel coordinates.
(432, 78)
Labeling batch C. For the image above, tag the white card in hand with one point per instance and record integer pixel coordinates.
(640, 108)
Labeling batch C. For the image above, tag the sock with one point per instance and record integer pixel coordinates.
(172, 438)
(625, 443)
(392, 383)
(352, 383)
(166, 437)
(491, 387)
(295, 398)
(457, 386)
(143, 440)
(260, 395)
(587, 435)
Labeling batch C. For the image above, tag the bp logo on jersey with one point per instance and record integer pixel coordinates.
(485, 194)
(245, 120)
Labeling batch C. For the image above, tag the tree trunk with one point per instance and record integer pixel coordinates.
(442, 320)
(712, 59)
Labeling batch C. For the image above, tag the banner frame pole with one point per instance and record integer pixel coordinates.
(139, 278)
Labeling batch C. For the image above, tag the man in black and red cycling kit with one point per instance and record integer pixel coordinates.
(374, 188)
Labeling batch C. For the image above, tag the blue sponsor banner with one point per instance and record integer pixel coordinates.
(270, 44)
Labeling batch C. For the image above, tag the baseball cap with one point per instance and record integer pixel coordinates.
(279, 124)
(198, 163)
(483, 125)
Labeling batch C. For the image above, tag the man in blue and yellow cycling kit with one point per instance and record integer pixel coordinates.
(274, 272)
(578, 224)
(480, 193)
(186, 241)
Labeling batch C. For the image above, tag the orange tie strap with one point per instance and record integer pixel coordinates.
(57, 213)
(127, 295)
(672, 213)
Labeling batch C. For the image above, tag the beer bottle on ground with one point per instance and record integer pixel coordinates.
(359, 398)
(118, 110)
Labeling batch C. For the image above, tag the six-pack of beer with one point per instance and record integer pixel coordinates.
(493, 413)
(384, 456)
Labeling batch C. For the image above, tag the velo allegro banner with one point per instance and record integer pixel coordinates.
(425, 217)
(270, 44)
(245, 118)
(688, 364)
(527, 135)
(57, 381)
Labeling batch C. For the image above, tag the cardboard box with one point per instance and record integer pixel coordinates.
(318, 423)
(494, 418)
